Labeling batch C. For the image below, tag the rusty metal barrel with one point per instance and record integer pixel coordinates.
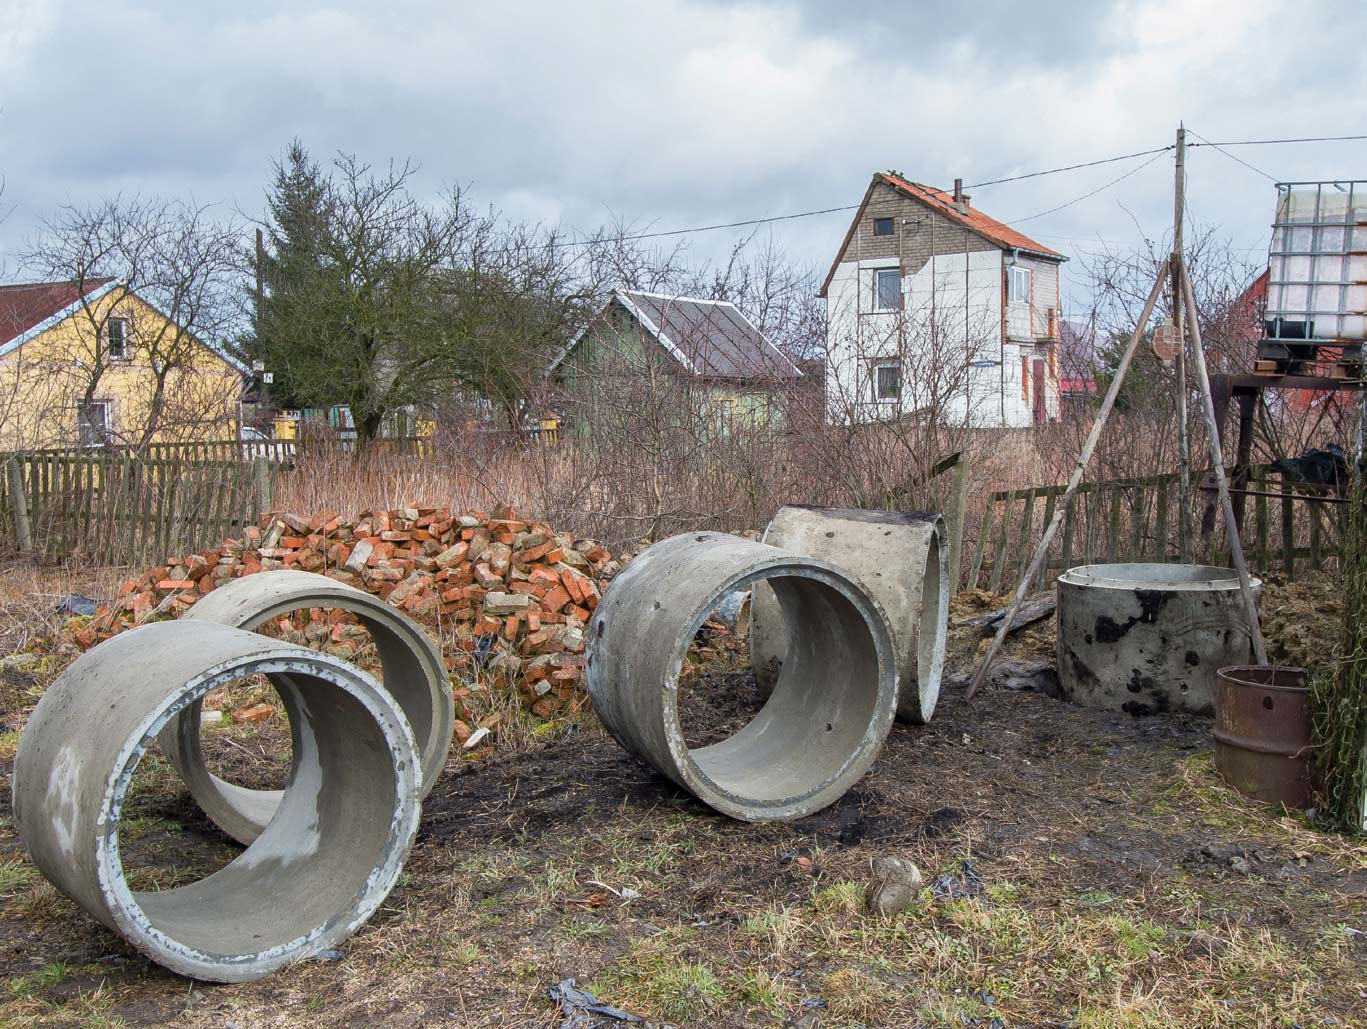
(1262, 733)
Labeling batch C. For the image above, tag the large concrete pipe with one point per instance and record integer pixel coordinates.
(829, 711)
(903, 560)
(414, 674)
(346, 818)
(1149, 638)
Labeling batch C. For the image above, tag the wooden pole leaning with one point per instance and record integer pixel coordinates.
(1236, 547)
(1042, 551)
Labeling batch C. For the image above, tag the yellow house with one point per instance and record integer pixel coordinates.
(92, 363)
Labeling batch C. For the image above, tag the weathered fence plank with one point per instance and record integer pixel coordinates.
(1114, 521)
(129, 506)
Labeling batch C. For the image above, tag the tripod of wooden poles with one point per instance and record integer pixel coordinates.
(1175, 267)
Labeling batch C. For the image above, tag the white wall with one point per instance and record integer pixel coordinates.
(950, 319)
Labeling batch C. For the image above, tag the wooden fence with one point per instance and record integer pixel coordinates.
(1139, 520)
(280, 451)
(277, 451)
(122, 509)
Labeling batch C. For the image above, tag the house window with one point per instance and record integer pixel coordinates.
(887, 289)
(117, 329)
(1018, 284)
(887, 380)
(724, 411)
(92, 423)
(882, 226)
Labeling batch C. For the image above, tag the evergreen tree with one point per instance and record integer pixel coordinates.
(1147, 386)
(294, 264)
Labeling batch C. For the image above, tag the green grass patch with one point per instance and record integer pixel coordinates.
(15, 876)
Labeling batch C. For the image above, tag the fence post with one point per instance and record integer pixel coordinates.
(23, 534)
(1288, 531)
(956, 523)
(262, 475)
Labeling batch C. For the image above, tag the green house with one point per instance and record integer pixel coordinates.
(703, 358)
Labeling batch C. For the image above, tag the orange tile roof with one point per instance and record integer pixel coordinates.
(943, 202)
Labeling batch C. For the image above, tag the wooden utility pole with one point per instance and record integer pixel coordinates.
(260, 279)
(263, 394)
(1180, 400)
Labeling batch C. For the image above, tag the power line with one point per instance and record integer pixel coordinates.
(1072, 167)
(1232, 157)
(709, 228)
(1269, 142)
(748, 222)
(851, 207)
(1085, 196)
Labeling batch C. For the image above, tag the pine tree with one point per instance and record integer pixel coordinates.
(294, 264)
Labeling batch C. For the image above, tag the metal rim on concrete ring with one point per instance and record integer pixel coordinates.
(828, 714)
(414, 674)
(902, 558)
(347, 816)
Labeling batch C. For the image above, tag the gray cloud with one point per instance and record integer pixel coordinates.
(683, 112)
(1046, 32)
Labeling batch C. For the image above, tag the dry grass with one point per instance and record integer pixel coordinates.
(723, 933)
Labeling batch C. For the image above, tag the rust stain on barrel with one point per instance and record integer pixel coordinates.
(1262, 733)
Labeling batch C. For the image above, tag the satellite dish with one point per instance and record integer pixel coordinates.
(1167, 342)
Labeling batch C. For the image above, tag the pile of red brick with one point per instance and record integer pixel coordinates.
(510, 597)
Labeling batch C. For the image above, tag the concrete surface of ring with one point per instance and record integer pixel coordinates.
(830, 709)
(345, 823)
(901, 558)
(414, 674)
(1149, 638)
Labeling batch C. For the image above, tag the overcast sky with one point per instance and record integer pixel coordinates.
(681, 113)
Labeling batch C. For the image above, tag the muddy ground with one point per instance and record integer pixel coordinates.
(1082, 869)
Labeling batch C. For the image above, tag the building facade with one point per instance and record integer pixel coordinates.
(936, 310)
(88, 364)
(704, 356)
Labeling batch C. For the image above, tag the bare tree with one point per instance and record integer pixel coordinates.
(155, 280)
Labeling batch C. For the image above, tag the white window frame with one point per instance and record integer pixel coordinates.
(878, 274)
(85, 429)
(874, 384)
(120, 354)
(1019, 283)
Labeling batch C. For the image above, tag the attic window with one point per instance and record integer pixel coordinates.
(117, 329)
(882, 226)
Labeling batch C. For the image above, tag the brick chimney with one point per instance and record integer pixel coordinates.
(960, 197)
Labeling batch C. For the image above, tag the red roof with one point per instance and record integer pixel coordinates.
(1077, 385)
(25, 305)
(943, 202)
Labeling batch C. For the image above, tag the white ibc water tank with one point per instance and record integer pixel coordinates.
(1317, 263)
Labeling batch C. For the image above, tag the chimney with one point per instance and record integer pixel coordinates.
(960, 197)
